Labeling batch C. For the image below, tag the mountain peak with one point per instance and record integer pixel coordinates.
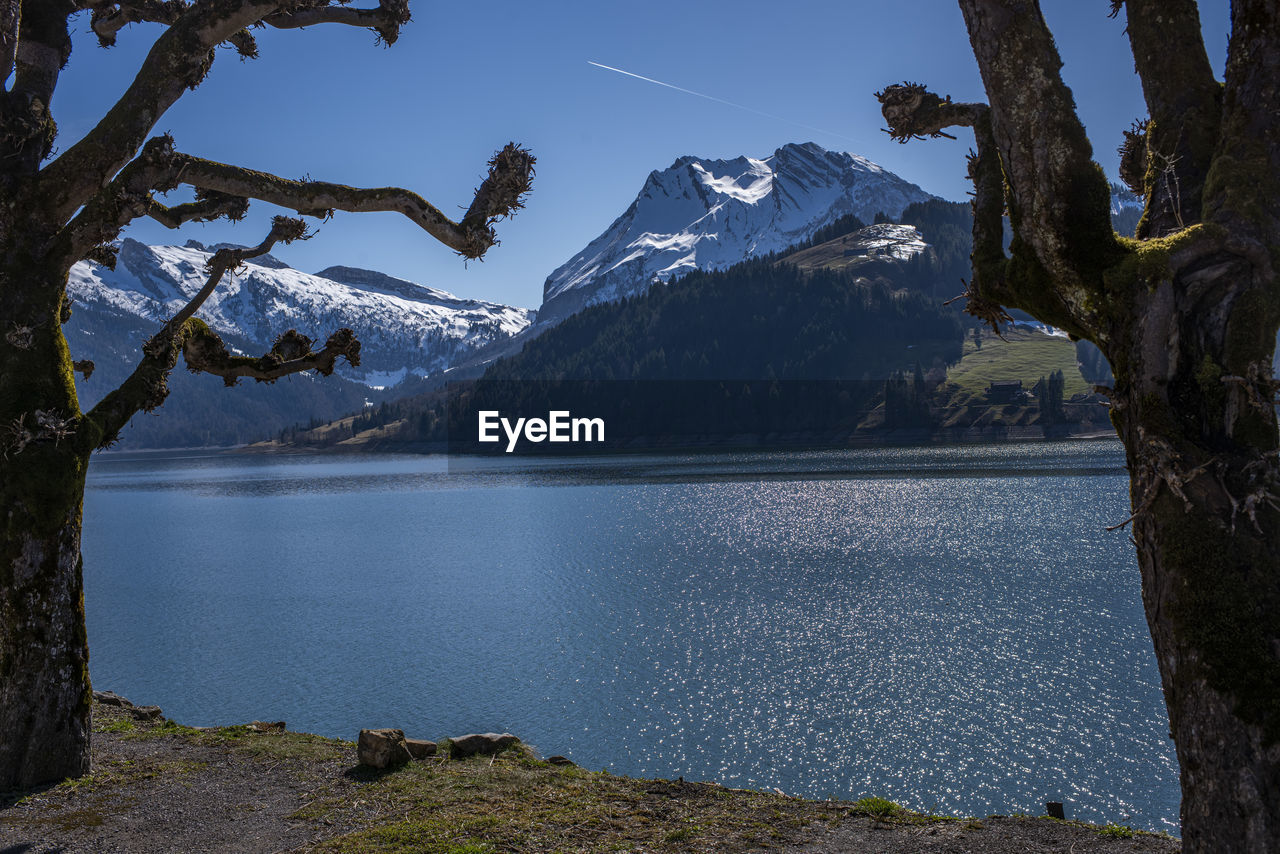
(406, 329)
(703, 213)
(809, 148)
(267, 260)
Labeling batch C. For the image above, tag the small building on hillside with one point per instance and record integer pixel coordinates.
(1004, 391)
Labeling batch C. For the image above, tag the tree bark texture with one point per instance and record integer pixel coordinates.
(44, 655)
(1187, 314)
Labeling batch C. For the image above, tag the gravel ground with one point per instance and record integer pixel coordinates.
(168, 794)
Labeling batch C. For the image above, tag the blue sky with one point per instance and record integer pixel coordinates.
(466, 78)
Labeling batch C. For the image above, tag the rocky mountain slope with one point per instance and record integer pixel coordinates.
(709, 214)
(407, 331)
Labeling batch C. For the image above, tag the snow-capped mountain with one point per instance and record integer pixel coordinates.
(1126, 209)
(709, 214)
(404, 329)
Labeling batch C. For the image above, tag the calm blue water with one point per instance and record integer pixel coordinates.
(950, 628)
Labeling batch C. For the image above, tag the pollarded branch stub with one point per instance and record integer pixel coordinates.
(1162, 466)
(501, 194)
(396, 15)
(245, 44)
(291, 345)
(284, 229)
(1262, 483)
(20, 337)
(913, 112)
(1133, 158)
(26, 126)
(30, 428)
(287, 229)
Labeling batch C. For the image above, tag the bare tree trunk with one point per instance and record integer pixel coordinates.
(44, 675)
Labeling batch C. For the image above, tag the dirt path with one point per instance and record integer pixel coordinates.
(169, 794)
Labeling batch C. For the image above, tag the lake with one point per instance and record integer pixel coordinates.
(951, 628)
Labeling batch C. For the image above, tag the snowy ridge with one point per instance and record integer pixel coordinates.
(405, 329)
(888, 240)
(709, 214)
(1122, 200)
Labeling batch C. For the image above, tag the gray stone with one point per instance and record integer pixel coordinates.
(561, 760)
(382, 748)
(484, 742)
(146, 713)
(420, 748)
(111, 698)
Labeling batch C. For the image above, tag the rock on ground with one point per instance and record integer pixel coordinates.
(382, 748)
(482, 742)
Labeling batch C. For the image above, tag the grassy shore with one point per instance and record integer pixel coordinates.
(159, 786)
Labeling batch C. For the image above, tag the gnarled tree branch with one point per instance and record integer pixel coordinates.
(386, 20)
(113, 207)
(111, 17)
(1059, 198)
(290, 354)
(178, 61)
(44, 46)
(209, 205)
(499, 195)
(204, 351)
(1184, 103)
(40, 50)
(1245, 174)
(283, 230)
(224, 190)
(913, 112)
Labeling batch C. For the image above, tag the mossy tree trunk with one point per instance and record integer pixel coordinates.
(57, 211)
(1187, 313)
(44, 675)
(1204, 486)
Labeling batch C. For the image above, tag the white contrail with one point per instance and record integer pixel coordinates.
(723, 101)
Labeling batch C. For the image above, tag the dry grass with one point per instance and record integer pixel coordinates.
(513, 801)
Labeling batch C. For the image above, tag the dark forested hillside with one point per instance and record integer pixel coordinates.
(756, 320)
(873, 329)
(948, 229)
